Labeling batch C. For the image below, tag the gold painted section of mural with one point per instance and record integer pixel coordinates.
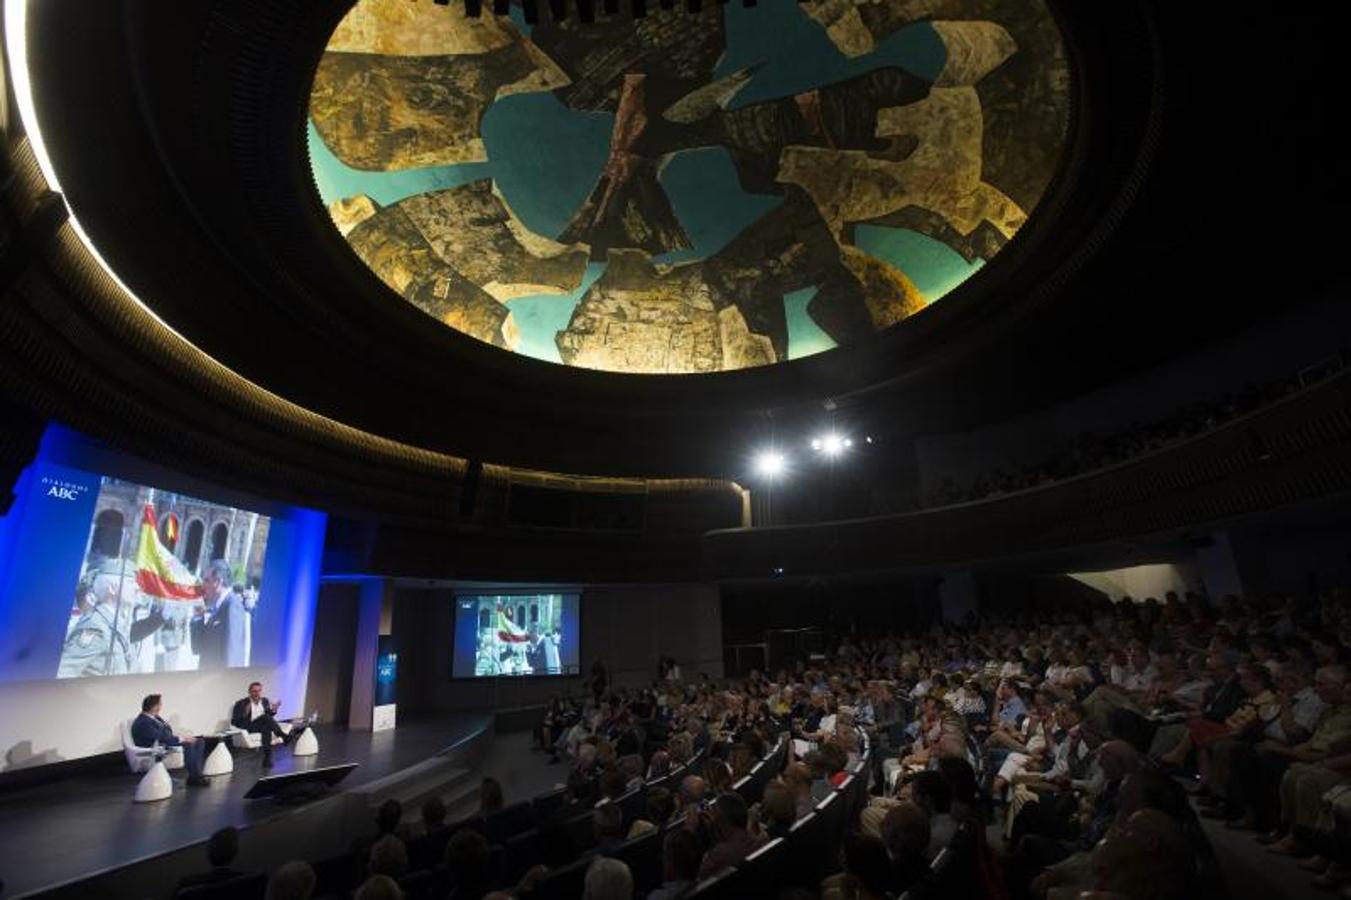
(961, 156)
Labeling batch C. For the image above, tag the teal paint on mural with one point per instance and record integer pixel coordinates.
(517, 14)
(708, 200)
(805, 337)
(539, 317)
(545, 157)
(797, 55)
(934, 267)
(336, 180)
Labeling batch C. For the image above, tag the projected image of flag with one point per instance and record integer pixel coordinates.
(508, 632)
(158, 572)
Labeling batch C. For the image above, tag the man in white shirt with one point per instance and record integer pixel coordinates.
(257, 714)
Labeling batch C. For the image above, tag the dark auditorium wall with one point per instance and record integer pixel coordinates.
(1282, 345)
(899, 603)
(625, 626)
(329, 688)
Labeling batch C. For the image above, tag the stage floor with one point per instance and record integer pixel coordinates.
(79, 826)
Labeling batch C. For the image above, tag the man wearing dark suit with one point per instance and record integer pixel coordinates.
(149, 728)
(218, 631)
(257, 714)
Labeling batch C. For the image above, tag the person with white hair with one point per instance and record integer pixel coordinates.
(608, 879)
(218, 629)
(103, 639)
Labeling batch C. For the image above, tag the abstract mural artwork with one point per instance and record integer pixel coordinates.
(686, 192)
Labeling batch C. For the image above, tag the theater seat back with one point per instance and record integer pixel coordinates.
(509, 821)
(566, 883)
(643, 857)
(243, 887)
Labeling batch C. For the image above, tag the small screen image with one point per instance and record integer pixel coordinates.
(515, 634)
(167, 583)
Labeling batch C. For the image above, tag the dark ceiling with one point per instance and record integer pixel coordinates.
(178, 134)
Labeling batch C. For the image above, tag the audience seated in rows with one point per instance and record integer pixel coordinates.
(1074, 732)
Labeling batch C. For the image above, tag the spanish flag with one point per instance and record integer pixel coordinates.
(507, 631)
(158, 572)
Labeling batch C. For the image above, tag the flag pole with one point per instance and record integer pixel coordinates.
(121, 582)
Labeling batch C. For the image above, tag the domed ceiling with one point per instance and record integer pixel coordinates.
(686, 192)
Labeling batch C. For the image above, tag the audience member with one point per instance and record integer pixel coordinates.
(660, 804)
(221, 850)
(608, 879)
(798, 779)
(607, 822)
(931, 792)
(681, 855)
(490, 796)
(294, 880)
(467, 865)
(730, 839)
(387, 818)
(776, 812)
(389, 857)
(379, 887)
(906, 837)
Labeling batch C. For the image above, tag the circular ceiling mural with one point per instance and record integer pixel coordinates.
(686, 192)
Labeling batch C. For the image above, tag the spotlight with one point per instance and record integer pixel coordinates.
(831, 444)
(770, 463)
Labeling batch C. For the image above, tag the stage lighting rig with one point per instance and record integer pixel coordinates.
(832, 444)
(770, 463)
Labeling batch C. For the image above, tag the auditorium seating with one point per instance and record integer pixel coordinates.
(509, 821)
(556, 831)
(643, 857)
(242, 887)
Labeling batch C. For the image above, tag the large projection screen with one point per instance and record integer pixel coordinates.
(108, 576)
(510, 635)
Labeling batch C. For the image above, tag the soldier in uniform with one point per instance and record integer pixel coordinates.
(102, 640)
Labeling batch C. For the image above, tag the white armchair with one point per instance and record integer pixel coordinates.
(141, 759)
(250, 740)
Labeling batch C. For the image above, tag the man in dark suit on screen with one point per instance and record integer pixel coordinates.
(257, 714)
(218, 631)
(149, 729)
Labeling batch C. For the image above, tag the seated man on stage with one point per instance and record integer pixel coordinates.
(257, 714)
(149, 729)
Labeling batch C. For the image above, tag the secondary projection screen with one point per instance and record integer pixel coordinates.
(112, 577)
(515, 634)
